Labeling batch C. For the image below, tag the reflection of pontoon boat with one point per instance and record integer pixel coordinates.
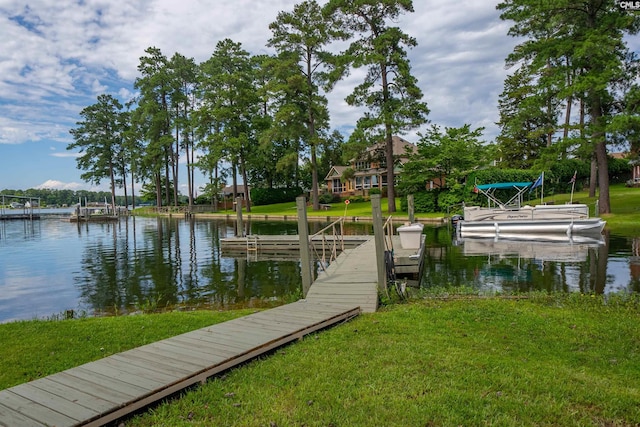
(543, 247)
(513, 218)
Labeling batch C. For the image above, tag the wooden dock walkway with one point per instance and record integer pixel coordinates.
(351, 278)
(105, 390)
(108, 389)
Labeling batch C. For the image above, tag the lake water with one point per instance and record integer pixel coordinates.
(50, 266)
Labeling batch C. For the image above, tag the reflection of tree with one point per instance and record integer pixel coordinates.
(117, 276)
(190, 280)
(600, 260)
(634, 265)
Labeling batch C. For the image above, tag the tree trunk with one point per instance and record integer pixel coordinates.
(388, 134)
(247, 197)
(391, 194)
(593, 176)
(599, 139)
(158, 182)
(133, 193)
(124, 186)
(112, 176)
(314, 179)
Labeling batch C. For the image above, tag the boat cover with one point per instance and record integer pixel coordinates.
(502, 185)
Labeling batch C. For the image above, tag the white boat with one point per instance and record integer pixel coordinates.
(503, 219)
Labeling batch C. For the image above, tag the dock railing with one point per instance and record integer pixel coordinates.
(388, 232)
(330, 248)
(389, 264)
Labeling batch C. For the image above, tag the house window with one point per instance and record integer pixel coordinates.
(360, 165)
(374, 181)
(336, 186)
(367, 182)
(358, 182)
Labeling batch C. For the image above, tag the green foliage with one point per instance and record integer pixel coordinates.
(451, 198)
(423, 202)
(267, 196)
(99, 137)
(444, 157)
(375, 191)
(50, 197)
(619, 170)
(523, 122)
(327, 198)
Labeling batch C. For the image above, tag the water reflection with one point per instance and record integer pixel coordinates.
(146, 263)
(50, 266)
(543, 263)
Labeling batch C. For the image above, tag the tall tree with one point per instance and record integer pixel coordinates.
(304, 34)
(154, 118)
(389, 91)
(183, 73)
(521, 118)
(589, 33)
(234, 102)
(99, 137)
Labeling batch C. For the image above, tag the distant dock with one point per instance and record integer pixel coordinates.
(19, 208)
(15, 216)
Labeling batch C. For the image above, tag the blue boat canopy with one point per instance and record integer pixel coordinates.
(502, 185)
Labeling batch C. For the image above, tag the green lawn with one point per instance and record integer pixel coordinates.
(561, 360)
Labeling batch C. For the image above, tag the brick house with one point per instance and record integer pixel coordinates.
(369, 169)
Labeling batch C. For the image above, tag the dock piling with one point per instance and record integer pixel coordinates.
(305, 252)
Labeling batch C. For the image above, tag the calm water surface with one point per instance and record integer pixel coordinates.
(49, 266)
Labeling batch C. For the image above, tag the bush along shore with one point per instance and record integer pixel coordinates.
(443, 359)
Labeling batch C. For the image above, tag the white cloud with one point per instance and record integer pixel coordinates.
(67, 154)
(52, 184)
(58, 56)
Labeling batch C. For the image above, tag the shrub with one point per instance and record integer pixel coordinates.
(268, 196)
(327, 198)
(375, 191)
(423, 202)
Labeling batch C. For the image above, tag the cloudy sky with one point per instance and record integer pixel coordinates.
(57, 56)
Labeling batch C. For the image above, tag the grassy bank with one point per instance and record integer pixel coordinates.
(541, 360)
(35, 349)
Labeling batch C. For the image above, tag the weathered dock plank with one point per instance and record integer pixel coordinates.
(58, 402)
(40, 414)
(10, 417)
(351, 278)
(97, 404)
(105, 390)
